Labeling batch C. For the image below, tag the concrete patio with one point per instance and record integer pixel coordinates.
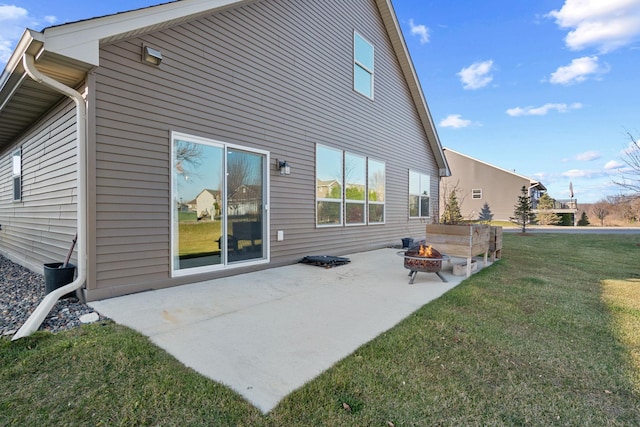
(265, 334)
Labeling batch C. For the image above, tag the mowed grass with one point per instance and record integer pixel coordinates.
(547, 336)
(197, 238)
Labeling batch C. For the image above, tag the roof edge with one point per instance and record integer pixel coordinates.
(81, 40)
(392, 25)
(533, 182)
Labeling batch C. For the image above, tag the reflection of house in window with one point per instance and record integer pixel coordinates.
(206, 203)
(245, 200)
(327, 188)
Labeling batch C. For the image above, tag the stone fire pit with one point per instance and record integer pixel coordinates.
(423, 259)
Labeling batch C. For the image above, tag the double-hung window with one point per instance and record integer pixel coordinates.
(362, 65)
(476, 193)
(418, 195)
(328, 186)
(355, 174)
(17, 175)
(376, 196)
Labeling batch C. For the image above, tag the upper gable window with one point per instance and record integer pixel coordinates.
(362, 65)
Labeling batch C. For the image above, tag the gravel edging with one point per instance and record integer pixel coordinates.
(21, 290)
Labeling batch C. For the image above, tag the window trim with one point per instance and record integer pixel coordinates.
(343, 201)
(16, 174)
(383, 203)
(326, 199)
(476, 192)
(360, 65)
(362, 202)
(420, 194)
(225, 146)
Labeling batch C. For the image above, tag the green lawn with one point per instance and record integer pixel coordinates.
(549, 335)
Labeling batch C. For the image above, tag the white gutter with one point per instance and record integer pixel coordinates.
(37, 317)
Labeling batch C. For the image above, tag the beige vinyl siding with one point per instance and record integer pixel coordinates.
(275, 76)
(40, 228)
(500, 188)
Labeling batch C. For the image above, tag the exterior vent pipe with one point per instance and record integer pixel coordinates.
(37, 317)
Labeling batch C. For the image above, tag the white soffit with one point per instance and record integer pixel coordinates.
(81, 40)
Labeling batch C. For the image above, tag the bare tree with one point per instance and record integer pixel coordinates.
(629, 178)
(238, 173)
(600, 210)
(187, 157)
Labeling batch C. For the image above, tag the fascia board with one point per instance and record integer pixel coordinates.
(404, 57)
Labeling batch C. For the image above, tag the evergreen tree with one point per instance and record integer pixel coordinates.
(485, 213)
(522, 210)
(451, 213)
(584, 220)
(545, 216)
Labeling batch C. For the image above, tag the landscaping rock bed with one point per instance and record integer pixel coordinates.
(21, 290)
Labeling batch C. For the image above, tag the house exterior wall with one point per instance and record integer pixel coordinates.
(500, 188)
(274, 76)
(39, 229)
(284, 87)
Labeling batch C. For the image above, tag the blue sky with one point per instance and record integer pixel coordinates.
(547, 88)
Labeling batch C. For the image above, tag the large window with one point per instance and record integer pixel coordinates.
(376, 196)
(219, 205)
(363, 181)
(328, 186)
(362, 65)
(355, 176)
(418, 195)
(17, 174)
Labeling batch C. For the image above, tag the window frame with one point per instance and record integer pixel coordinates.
(330, 199)
(16, 174)
(476, 192)
(266, 217)
(382, 202)
(347, 201)
(344, 201)
(358, 64)
(420, 194)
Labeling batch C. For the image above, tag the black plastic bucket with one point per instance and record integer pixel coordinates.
(56, 276)
(407, 242)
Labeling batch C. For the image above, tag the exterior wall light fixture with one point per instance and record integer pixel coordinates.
(283, 167)
(151, 55)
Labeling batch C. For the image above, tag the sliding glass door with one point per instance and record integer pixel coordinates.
(219, 212)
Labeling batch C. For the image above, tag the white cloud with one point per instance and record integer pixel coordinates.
(477, 75)
(12, 13)
(455, 121)
(613, 164)
(588, 156)
(577, 71)
(606, 25)
(13, 21)
(541, 111)
(580, 173)
(419, 30)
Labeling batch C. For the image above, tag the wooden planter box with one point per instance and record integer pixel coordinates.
(495, 243)
(463, 241)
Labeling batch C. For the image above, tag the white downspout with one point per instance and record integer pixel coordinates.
(37, 317)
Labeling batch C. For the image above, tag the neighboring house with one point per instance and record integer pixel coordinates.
(478, 183)
(206, 203)
(200, 95)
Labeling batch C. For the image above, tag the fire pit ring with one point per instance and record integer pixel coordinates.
(417, 263)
